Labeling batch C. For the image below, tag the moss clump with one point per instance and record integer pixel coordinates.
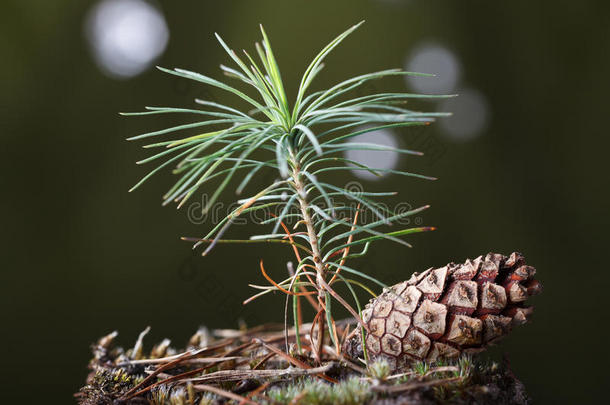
(179, 395)
(380, 370)
(461, 381)
(106, 385)
(115, 373)
(311, 391)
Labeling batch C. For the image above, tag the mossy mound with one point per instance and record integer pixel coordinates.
(224, 371)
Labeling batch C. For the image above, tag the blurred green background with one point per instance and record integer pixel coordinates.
(82, 257)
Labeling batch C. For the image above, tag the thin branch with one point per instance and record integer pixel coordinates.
(237, 375)
(413, 385)
(223, 393)
(292, 360)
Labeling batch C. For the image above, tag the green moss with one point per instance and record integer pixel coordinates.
(180, 395)
(421, 368)
(315, 392)
(106, 385)
(379, 370)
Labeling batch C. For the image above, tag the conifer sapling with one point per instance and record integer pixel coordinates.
(302, 141)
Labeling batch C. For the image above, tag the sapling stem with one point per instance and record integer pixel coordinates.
(300, 189)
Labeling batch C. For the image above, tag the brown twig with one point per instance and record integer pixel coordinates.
(319, 343)
(237, 375)
(133, 392)
(349, 241)
(176, 361)
(292, 360)
(257, 391)
(223, 393)
(279, 287)
(263, 361)
(187, 354)
(413, 385)
(344, 303)
(344, 360)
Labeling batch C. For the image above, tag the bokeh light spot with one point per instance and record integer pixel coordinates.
(373, 158)
(470, 115)
(437, 60)
(126, 36)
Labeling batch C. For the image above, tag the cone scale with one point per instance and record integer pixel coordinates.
(447, 311)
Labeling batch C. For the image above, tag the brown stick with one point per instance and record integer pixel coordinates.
(349, 241)
(183, 356)
(263, 361)
(413, 385)
(223, 393)
(315, 344)
(344, 303)
(132, 392)
(292, 360)
(237, 375)
(257, 391)
(344, 360)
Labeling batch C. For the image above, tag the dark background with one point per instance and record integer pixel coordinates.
(82, 257)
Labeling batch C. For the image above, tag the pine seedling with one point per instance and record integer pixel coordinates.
(301, 142)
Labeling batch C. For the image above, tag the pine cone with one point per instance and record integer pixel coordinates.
(444, 312)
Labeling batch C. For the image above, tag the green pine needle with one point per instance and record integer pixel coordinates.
(301, 142)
